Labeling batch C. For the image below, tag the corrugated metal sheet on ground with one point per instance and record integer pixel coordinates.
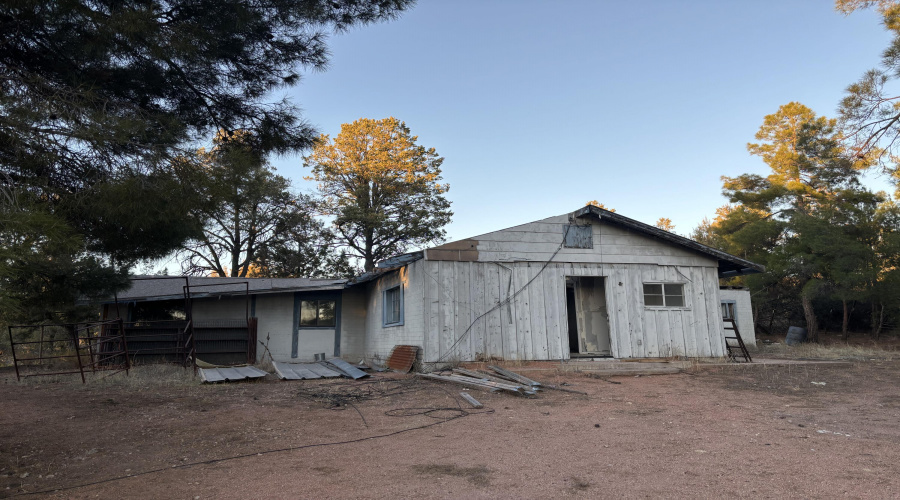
(347, 369)
(302, 371)
(230, 374)
(402, 358)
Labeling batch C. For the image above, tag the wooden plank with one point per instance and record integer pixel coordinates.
(471, 400)
(537, 313)
(522, 306)
(479, 306)
(432, 348)
(446, 280)
(690, 317)
(617, 305)
(482, 384)
(514, 376)
(493, 331)
(701, 327)
(649, 333)
(481, 375)
(507, 314)
(714, 312)
(463, 308)
(552, 292)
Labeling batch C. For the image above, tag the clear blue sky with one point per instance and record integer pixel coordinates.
(540, 106)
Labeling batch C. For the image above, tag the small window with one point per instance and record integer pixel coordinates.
(316, 313)
(393, 306)
(728, 309)
(664, 294)
(578, 236)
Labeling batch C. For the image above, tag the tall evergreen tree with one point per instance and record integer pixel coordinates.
(383, 189)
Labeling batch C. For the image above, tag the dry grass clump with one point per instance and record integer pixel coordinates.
(827, 351)
(140, 377)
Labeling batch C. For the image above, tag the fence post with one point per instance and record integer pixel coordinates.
(124, 346)
(12, 347)
(78, 355)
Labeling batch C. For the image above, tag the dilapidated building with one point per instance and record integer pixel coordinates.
(589, 283)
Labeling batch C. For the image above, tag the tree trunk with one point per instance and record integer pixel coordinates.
(369, 264)
(880, 322)
(812, 326)
(845, 334)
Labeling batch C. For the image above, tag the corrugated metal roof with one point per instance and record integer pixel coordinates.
(346, 368)
(171, 287)
(230, 374)
(402, 358)
(303, 371)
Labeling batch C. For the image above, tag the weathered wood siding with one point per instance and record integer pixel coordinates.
(471, 310)
(533, 324)
(536, 242)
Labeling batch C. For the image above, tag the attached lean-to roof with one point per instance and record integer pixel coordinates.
(153, 288)
(729, 265)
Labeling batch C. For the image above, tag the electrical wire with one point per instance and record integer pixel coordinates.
(500, 304)
(435, 413)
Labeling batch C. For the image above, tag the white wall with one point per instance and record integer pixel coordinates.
(380, 340)
(743, 312)
(353, 323)
(275, 328)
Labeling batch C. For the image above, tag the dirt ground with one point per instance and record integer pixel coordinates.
(761, 431)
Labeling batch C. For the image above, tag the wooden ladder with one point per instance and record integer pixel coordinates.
(738, 349)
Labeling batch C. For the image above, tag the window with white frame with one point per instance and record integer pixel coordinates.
(393, 306)
(664, 294)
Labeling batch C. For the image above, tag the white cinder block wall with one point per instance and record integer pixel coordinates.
(353, 323)
(743, 312)
(275, 328)
(379, 340)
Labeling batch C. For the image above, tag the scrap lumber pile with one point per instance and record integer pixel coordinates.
(501, 380)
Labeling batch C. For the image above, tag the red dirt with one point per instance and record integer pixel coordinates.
(742, 431)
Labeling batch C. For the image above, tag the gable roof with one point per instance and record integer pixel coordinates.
(729, 265)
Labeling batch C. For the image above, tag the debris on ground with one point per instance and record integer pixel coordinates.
(230, 374)
(472, 401)
(402, 358)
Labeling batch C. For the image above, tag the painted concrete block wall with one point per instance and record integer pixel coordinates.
(353, 323)
(380, 339)
(743, 311)
(275, 328)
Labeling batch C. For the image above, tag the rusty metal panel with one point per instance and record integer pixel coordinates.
(402, 358)
(579, 236)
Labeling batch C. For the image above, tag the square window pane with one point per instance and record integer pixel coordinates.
(326, 313)
(653, 300)
(654, 289)
(675, 290)
(308, 310)
(674, 301)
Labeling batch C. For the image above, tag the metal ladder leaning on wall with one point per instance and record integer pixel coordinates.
(738, 348)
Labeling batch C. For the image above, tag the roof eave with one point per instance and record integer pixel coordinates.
(743, 266)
